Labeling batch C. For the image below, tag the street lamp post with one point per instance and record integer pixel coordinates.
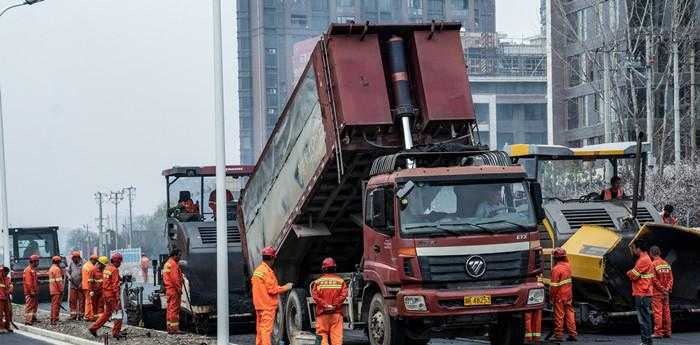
(4, 223)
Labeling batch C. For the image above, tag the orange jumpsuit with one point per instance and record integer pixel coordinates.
(329, 293)
(560, 294)
(6, 289)
(95, 285)
(110, 291)
(265, 299)
(55, 290)
(172, 279)
(533, 325)
(663, 283)
(610, 194)
(30, 285)
(85, 289)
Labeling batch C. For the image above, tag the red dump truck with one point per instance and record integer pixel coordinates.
(376, 161)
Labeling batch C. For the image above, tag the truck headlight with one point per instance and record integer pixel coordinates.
(535, 296)
(414, 303)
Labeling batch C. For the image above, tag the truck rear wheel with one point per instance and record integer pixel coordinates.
(509, 330)
(381, 328)
(278, 330)
(296, 315)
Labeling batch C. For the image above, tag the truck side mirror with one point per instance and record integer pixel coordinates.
(378, 220)
(536, 192)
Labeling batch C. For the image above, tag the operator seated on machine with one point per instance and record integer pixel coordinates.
(186, 209)
(615, 192)
(493, 205)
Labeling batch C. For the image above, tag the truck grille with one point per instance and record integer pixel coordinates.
(592, 216)
(499, 266)
(208, 235)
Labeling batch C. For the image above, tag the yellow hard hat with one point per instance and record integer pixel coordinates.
(103, 260)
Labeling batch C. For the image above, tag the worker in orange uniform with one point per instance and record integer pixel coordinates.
(667, 216)
(76, 297)
(663, 283)
(30, 284)
(615, 191)
(212, 200)
(533, 324)
(55, 287)
(561, 296)
(6, 290)
(110, 290)
(172, 279)
(329, 293)
(95, 283)
(265, 297)
(88, 313)
(642, 277)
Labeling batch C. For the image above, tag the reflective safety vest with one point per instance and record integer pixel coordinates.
(642, 276)
(330, 289)
(560, 288)
(55, 280)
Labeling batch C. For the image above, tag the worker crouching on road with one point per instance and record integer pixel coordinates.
(6, 290)
(88, 313)
(110, 290)
(95, 282)
(172, 279)
(266, 297)
(663, 283)
(76, 297)
(560, 294)
(55, 287)
(642, 276)
(329, 293)
(30, 284)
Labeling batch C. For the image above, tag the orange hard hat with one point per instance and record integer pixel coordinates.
(34, 258)
(117, 257)
(93, 257)
(75, 254)
(269, 251)
(559, 252)
(56, 258)
(327, 263)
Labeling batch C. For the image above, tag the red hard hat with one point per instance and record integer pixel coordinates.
(34, 258)
(56, 258)
(75, 254)
(117, 257)
(269, 251)
(559, 252)
(93, 257)
(328, 263)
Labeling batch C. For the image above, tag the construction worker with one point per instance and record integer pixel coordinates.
(329, 292)
(663, 283)
(55, 287)
(212, 200)
(30, 284)
(76, 297)
(88, 313)
(110, 290)
(95, 284)
(642, 277)
(560, 294)
(615, 191)
(667, 216)
(172, 279)
(6, 290)
(145, 265)
(265, 297)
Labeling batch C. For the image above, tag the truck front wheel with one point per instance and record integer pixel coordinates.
(297, 318)
(509, 330)
(381, 328)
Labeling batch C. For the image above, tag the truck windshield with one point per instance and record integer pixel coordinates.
(42, 244)
(439, 208)
(581, 180)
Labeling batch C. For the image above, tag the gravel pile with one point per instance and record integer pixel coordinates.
(135, 335)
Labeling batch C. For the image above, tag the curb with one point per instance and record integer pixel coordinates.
(55, 335)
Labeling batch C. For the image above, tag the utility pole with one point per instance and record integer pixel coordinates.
(693, 139)
(676, 106)
(650, 96)
(100, 198)
(607, 99)
(130, 194)
(116, 198)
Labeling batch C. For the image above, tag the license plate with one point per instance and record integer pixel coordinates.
(477, 300)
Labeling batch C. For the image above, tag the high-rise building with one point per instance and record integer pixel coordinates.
(268, 30)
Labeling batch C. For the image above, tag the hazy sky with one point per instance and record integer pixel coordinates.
(99, 95)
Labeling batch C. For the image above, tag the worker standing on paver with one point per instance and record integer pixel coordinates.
(145, 264)
(561, 296)
(88, 313)
(30, 284)
(55, 288)
(76, 297)
(6, 289)
(96, 280)
(663, 283)
(172, 279)
(642, 276)
(110, 290)
(265, 297)
(329, 292)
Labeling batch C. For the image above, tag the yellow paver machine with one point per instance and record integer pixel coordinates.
(596, 233)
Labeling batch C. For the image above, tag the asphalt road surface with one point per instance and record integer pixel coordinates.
(21, 339)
